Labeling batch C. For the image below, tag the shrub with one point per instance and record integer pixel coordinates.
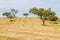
(53, 18)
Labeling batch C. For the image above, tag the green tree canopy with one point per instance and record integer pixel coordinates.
(43, 13)
(6, 14)
(25, 14)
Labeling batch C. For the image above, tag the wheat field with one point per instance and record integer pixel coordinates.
(28, 29)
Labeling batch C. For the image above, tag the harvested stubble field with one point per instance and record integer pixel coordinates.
(28, 29)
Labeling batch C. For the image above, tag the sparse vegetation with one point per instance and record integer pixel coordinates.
(43, 13)
(30, 28)
(25, 14)
(7, 14)
(10, 14)
(29, 20)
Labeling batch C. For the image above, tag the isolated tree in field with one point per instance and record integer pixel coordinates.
(42, 13)
(8, 15)
(13, 12)
(25, 14)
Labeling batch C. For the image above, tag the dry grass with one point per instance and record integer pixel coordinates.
(28, 29)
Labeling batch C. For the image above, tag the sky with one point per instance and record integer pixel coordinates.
(23, 6)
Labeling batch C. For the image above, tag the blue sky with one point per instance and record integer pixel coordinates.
(23, 6)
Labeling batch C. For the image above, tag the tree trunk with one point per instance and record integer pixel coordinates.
(43, 20)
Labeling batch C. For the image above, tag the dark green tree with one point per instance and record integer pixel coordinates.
(52, 18)
(8, 15)
(44, 14)
(40, 12)
(25, 14)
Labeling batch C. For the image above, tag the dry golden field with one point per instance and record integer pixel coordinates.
(28, 29)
